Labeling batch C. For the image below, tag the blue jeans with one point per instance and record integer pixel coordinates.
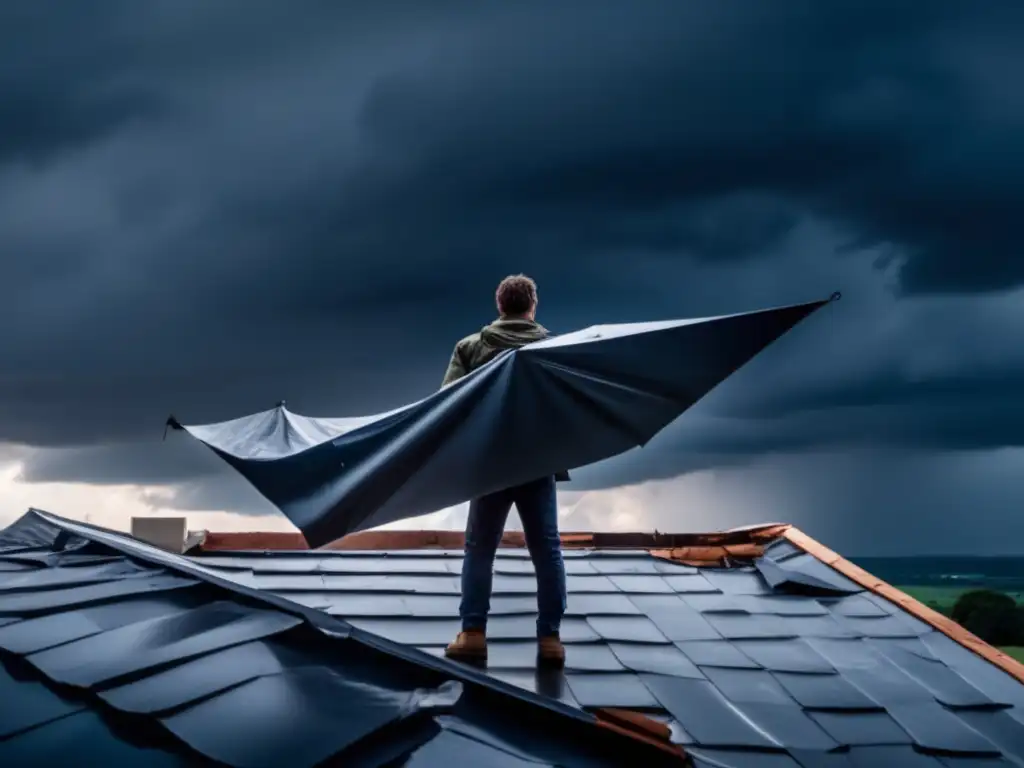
(538, 510)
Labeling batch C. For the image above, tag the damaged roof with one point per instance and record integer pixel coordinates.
(758, 647)
(113, 652)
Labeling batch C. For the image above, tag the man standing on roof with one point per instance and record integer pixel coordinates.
(515, 327)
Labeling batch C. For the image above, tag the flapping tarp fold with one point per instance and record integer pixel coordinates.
(556, 404)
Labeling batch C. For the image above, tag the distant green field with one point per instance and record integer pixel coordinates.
(1017, 653)
(943, 598)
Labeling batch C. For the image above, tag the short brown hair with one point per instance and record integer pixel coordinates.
(516, 295)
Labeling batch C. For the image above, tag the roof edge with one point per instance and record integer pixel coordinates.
(916, 608)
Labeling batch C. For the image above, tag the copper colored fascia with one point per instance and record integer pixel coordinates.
(702, 546)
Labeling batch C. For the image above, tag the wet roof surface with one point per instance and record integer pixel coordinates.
(779, 664)
(112, 653)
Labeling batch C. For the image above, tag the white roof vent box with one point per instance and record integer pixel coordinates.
(167, 533)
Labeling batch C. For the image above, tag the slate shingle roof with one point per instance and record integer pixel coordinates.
(778, 661)
(114, 653)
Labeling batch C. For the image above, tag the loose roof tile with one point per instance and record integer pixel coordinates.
(818, 667)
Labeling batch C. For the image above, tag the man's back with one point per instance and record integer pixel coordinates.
(480, 348)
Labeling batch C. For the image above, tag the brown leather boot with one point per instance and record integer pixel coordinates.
(470, 645)
(550, 651)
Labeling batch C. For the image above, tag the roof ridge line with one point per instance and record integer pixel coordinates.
(376, 540)
(915, 607)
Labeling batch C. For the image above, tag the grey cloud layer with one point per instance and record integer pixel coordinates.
(207, 207)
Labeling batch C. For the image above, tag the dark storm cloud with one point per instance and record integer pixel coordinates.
(207, 207)
(896, 119)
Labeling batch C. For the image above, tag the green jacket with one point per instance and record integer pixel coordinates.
(480, 348)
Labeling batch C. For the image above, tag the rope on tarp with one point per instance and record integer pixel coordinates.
(171, 423)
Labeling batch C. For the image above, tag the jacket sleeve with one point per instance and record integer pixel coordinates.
(456, 367)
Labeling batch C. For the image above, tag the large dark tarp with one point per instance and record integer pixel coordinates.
(555, 404)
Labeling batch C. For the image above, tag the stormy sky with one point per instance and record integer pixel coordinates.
(209, 207)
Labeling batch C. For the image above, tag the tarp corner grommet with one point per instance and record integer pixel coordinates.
(171, 423)
(836, 296)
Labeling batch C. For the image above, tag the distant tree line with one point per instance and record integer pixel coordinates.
(993, 616)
